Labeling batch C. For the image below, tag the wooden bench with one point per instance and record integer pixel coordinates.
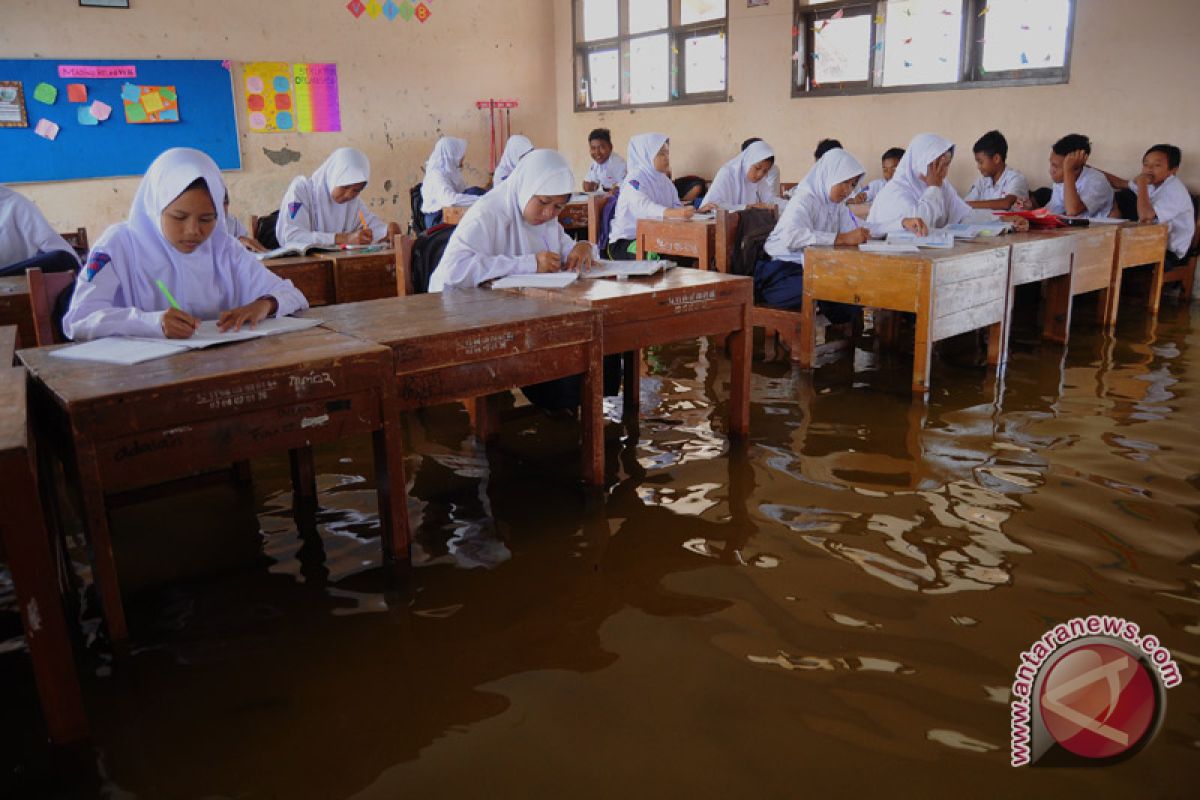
(129, 427)
(15, 308)
(709, 242)
(26, 545)
(474, 342)
(364, 276)
(679, 304)
(311, 274)
(951, 291)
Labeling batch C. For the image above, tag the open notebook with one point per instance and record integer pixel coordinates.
(136, 349)
(935, 238)
(303, 250)
(626, 269)
(537, 280)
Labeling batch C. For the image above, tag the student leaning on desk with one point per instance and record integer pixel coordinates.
(175, 237)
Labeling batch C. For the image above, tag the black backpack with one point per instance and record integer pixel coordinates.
(414, 204)
(427, 254)
(754, 226)
(264, 230)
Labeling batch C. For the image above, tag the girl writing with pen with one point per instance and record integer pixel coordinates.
(326, 209)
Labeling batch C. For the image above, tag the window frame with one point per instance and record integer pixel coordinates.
(677, 36)
(970, 72)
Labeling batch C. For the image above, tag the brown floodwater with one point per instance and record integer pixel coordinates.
(833, 607)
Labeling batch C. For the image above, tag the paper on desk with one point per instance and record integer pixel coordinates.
(1097, 220)
(119, 350)
(935, 238)
(966, 230)
(537, 280)
(579, 198)
(707, 216)
(888, 247)
(624, 269)
(208, 335)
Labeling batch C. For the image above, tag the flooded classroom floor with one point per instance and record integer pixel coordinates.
(832, 608)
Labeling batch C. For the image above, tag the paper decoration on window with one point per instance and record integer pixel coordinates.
(85, 117)
(12, 105)
(46, 129)
(269, 103)
(151, 105)
(45, 93)
(76, 93)
(317, 106)
(100, 110)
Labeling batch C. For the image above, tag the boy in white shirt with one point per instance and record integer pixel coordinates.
(1162, 196)
(889, 161)
(999, 187)
(607, 169)
(1079, 190)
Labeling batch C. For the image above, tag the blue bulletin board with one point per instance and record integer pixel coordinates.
(202, 92)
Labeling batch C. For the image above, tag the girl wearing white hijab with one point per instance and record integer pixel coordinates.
(816, 214)
(514, 228)
(518, 147)
(175, 234)
(27, 240)
(920, 197)
(326, 209)
(443, 184)
(741, 181)
(647, 193)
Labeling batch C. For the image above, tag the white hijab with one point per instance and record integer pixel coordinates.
(832, 168)
(344, 167)
(447, 154)
(518, 147)
(898, 199)
(731, 186)
(496, 224)
(642, 150)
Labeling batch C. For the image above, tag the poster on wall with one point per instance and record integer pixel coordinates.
(12, 105)
(269, 107)
(317, 107)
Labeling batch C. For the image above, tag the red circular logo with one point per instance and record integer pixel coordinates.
(1098, 700)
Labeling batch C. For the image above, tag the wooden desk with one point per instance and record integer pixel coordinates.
(312, 275)
(14, 307)
(1139, 244)
(1092, 263)
(179, 416)
(475, 342)
(951, 291)
(709, 242)
(35, 570)
(573, 217)
(364, 276)
(680, 304)
(9, 340)
(1039, 258)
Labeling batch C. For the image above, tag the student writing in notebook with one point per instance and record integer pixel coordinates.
(515, 149)
(325, 209)
(741, 181)
(771, 181)
(999, 187)
(27, 240)
(175, 236)
(514, 228)
(607, 169)
(444, 184)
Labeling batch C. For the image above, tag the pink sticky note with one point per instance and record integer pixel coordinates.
(76, 93)
(46, 129)
(101, 110)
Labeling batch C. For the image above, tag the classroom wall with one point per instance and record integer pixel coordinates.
(1133, 74)
(402, 84)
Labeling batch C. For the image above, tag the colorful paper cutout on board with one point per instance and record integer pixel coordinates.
(45, 93)
(46, 129)
(100, 110)
(130, 93)
(84, 116)
(76, 93)
(151, 104)
(268, 96)
(316, 98)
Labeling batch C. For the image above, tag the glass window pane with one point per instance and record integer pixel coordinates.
(649, 69)
(922, 42)
(705, 64)
(699, 10)
(599, 19)
(604, 67)
(1025, 34)
(842, 49)
(648, 15)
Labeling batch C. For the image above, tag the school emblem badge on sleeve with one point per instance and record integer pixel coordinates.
(95, 264)
(294, 209)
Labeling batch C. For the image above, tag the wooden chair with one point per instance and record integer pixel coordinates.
(78, 239)
(403, 245)
(1185, 274)
(44, 290)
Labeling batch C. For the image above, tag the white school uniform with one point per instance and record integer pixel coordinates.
(907, 195)
(646, 192)
(494, 240)
(771, 182)
(116, 294)
(235, 228)
(608, 174)
(24, 232)
(1009, 182)
(514, 150)
(1173, 207)
(443, 184)
(810, 216)
(874, 188)
(310, 215)
(732, 188)
(1094, 190)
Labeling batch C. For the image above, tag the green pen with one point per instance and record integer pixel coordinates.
(162, 287)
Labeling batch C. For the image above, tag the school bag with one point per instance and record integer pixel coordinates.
(414, 204)
(427, 254)
(754, 226)
(264, 230)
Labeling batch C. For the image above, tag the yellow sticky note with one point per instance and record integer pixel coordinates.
(152, 102)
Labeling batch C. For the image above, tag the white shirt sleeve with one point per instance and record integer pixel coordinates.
(797, 229)
(101, 308)
(1017, 185)
(253, 281)
(641, 206)
(296, 229)
(722, 190)
(437, 193)
(462, 266)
